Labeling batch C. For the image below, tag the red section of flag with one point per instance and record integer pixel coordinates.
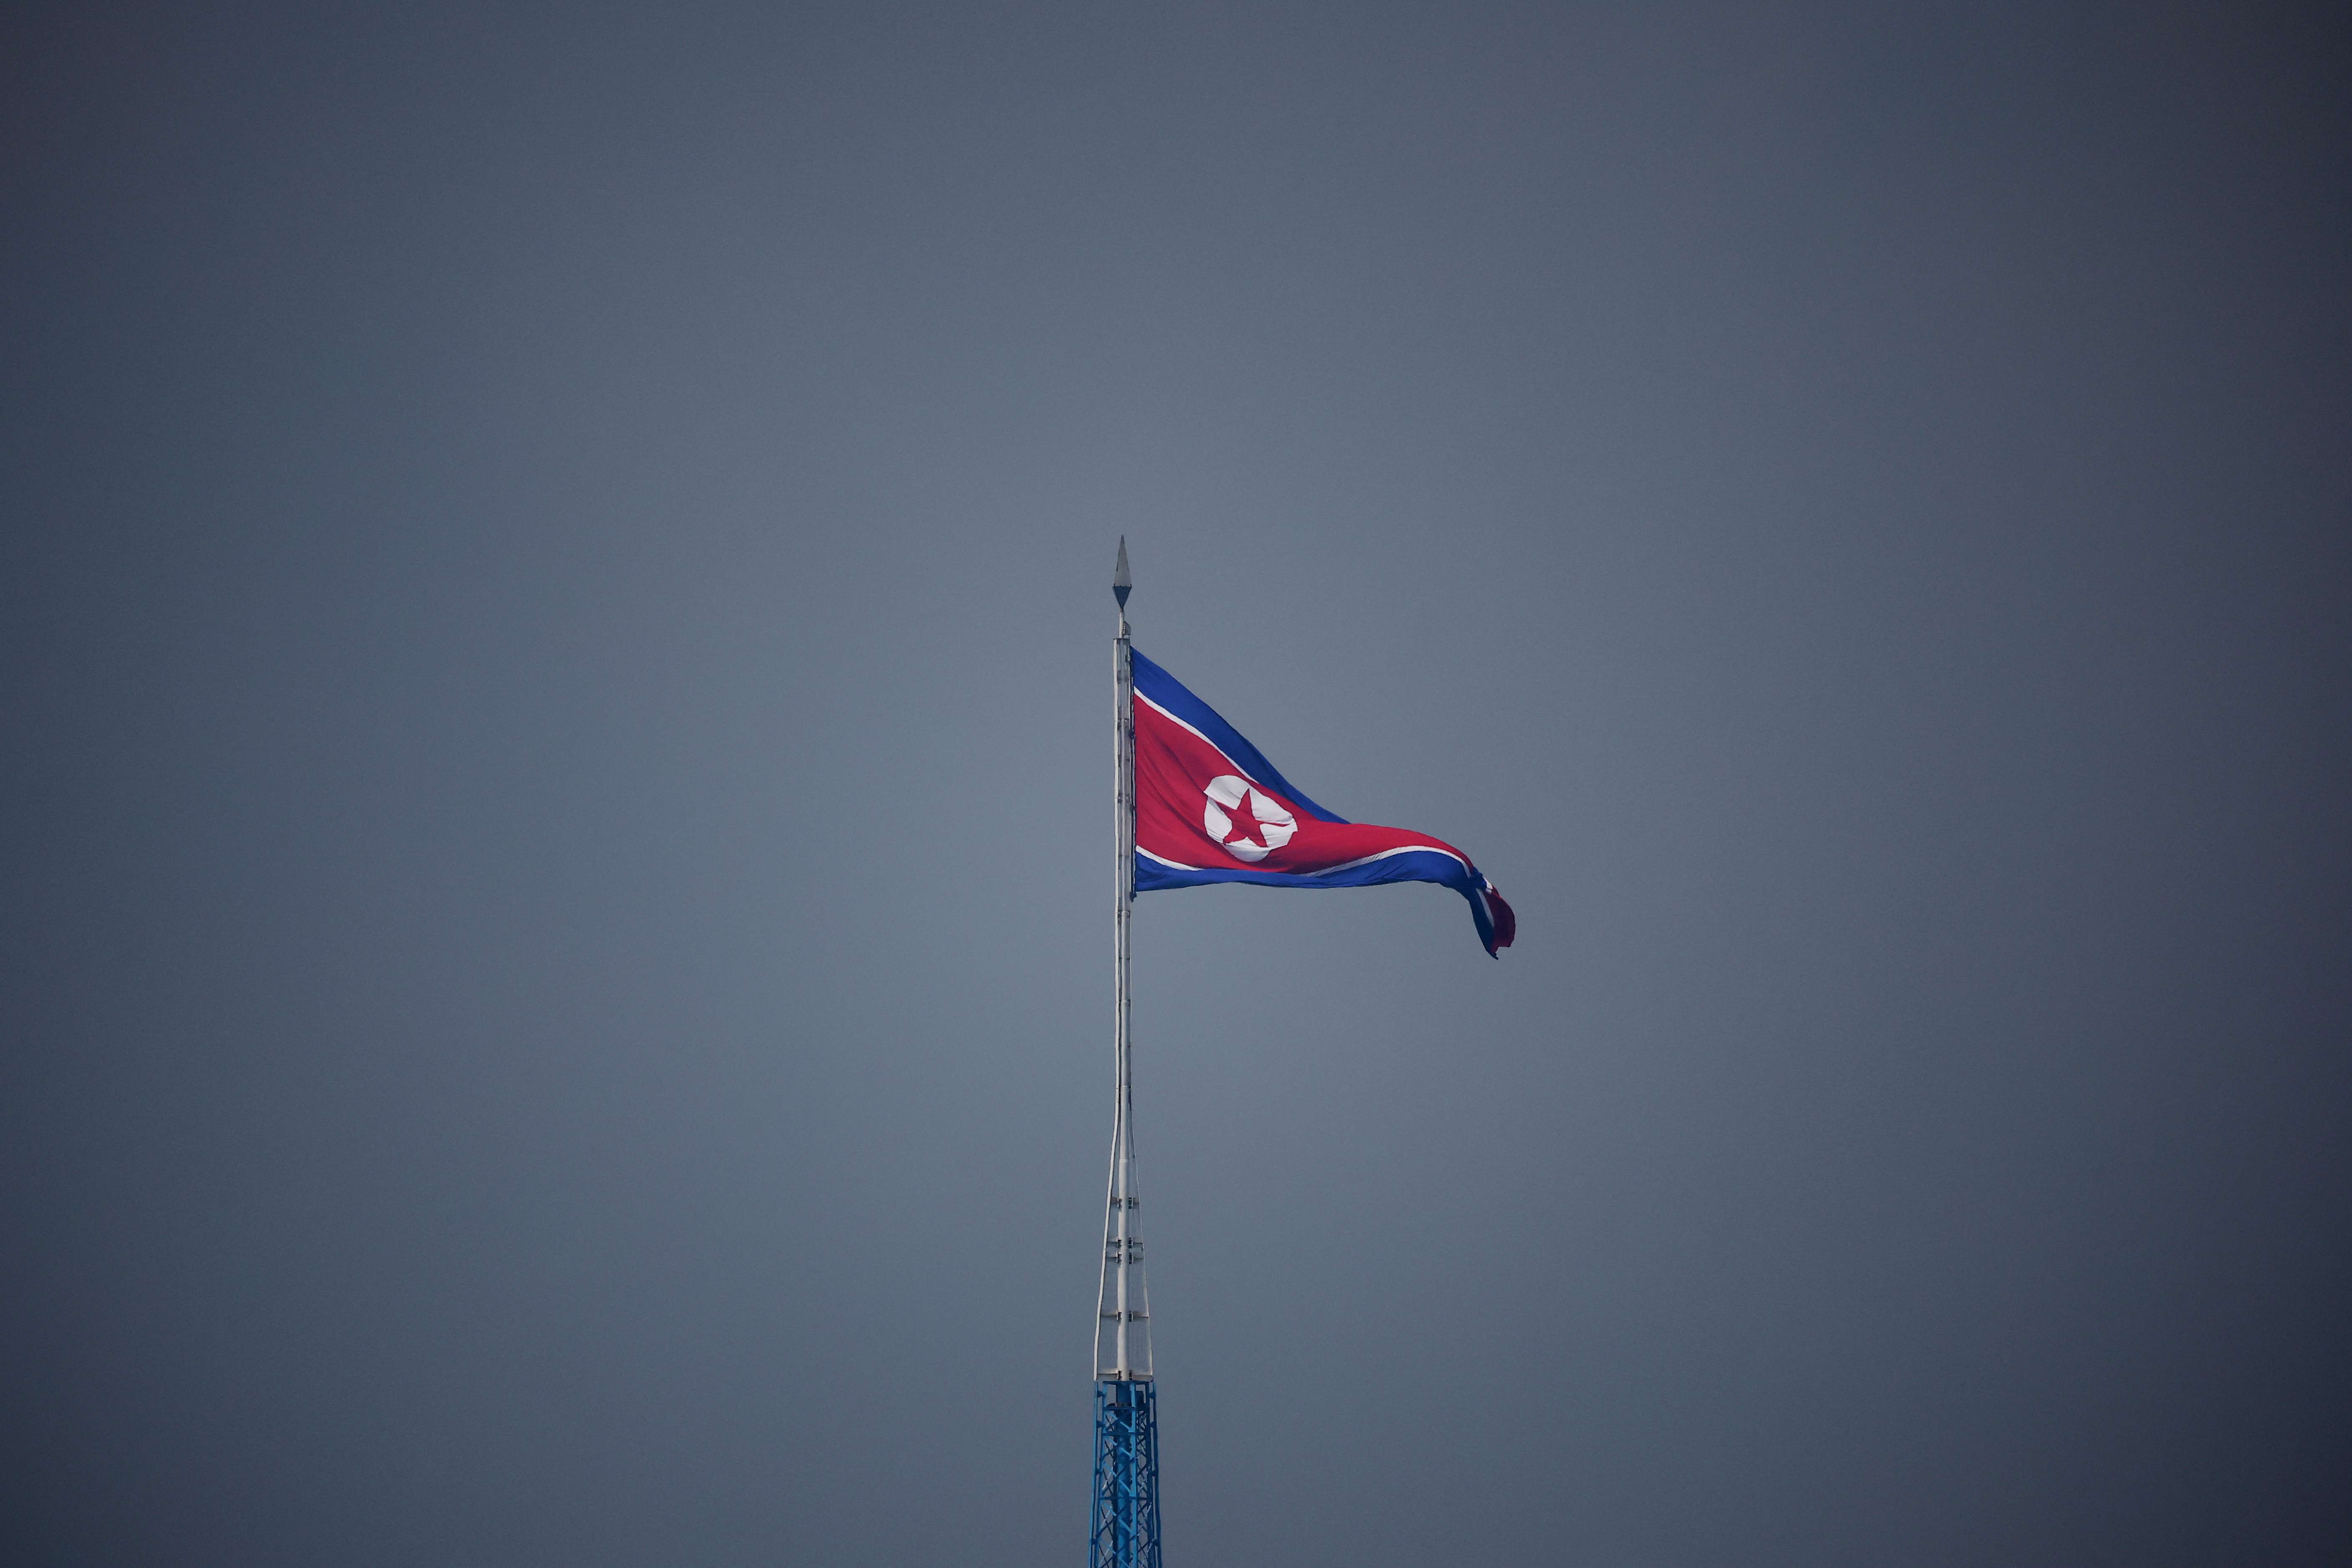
(1177, 804)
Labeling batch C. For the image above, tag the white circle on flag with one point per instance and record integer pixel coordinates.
(1275, 823)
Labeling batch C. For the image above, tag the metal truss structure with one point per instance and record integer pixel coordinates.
(1126, 1477)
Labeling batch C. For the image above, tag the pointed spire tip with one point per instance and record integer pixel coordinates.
(1121, 584)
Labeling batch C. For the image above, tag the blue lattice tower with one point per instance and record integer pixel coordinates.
(1125, 1532)
(1126, 1477)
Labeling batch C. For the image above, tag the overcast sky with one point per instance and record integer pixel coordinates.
(554, 860)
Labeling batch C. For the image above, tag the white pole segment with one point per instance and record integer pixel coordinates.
(1123, 1315)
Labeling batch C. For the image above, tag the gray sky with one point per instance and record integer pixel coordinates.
(554, 959)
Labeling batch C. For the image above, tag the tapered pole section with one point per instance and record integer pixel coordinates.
(1123, 1320)
(1126, 1527)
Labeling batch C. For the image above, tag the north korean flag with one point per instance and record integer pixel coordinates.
(1209, 807)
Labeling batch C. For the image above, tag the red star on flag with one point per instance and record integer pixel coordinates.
(1245, 825)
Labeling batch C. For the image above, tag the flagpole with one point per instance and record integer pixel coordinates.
(1122, 1322)
(1121, 1216)
(1126, 1528)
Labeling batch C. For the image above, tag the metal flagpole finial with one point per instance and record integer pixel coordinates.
(1121, 584)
